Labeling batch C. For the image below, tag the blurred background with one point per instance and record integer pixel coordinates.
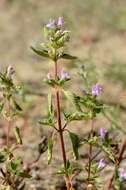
(98, 38)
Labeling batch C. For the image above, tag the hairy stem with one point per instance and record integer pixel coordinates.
(90, 151)
(120, 158)
(8, 126)
(60, 131)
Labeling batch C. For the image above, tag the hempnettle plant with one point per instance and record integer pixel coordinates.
(102, 147)
(85, 107)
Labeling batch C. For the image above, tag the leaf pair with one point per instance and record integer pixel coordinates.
(44, 53)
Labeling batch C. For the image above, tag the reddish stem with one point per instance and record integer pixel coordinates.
(90, 151)
(8, 126)
(120, 158)
(60, 131)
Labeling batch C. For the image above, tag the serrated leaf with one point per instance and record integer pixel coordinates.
(49, 121)
(18, 135)
(41, 52)
(78, 116)
(93, 140)
(75, 144)
(50, 148)
(68, 56)
(109, 152)
(73, 99)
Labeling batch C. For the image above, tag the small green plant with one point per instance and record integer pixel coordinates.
(12, 172)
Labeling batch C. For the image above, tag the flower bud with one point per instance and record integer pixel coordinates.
(60, 21)
(64, 75)
(103, 132)
(122, 174)
(49, 77)
(10, 71)
(51, 24)
(101, 164)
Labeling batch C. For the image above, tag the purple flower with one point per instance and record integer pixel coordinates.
(103, 132)
(49, 77)
(60, 21)
(51, 24)
(10, 71)
(101, 164)
(96, 90)
(122, 174)
(64, 75)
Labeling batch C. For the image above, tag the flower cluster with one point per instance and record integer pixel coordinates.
(55, 33)
(95, 91)
(64, 75)
(54, 24)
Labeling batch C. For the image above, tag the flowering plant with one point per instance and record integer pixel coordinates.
(85, 107)
(102, 147)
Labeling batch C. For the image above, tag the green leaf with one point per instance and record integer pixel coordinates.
(16, 105)
(70, 169)
(48, 121)
(73, 99)
(50, 148)
(24, 174)
(2, 156)
(1, 106)
(41, 52)
(14, 165)
(61, 170)
(18, 135)
(78, 116)
(93, 140)
(75, 144)
(67, 56)
(50, 106)
(109, 152)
